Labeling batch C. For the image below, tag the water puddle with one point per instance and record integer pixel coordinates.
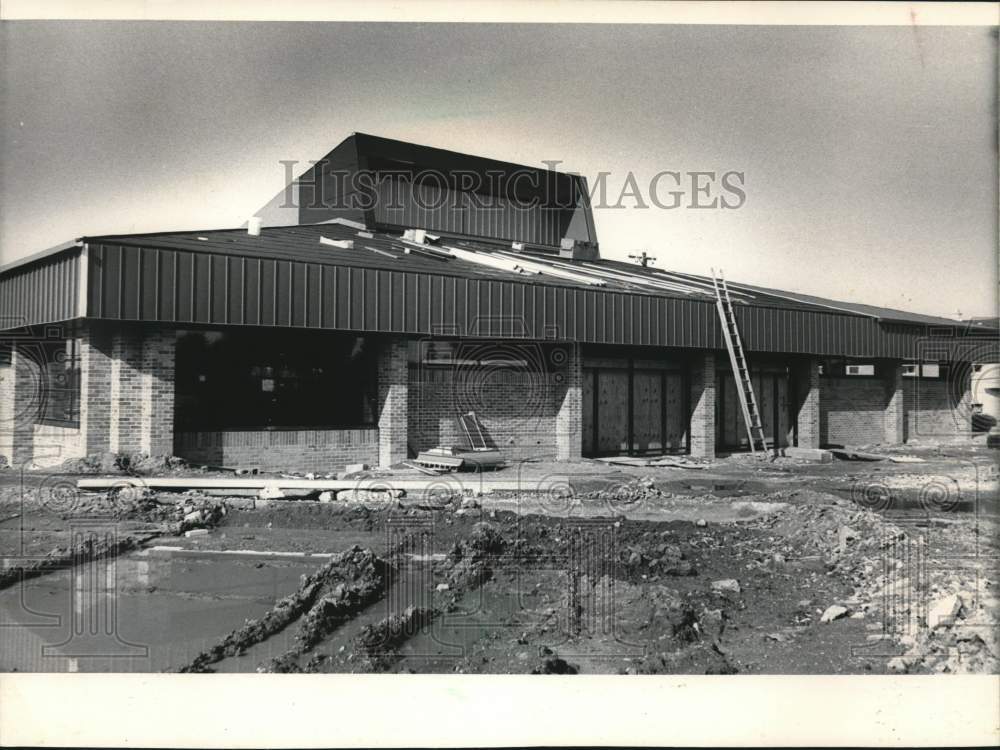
(145, 612)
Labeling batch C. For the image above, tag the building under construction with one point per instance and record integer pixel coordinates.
(394, 287)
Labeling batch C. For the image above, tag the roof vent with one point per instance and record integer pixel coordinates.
(253, 226)
(578, 249)
(415, 235)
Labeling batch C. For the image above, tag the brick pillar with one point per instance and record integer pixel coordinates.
(962, 412)
(393, 386)
(26, 386)
(702, 417)
(569, 417)
(895, 411)
(6, 402)
(127, 391)
(95, 389)
(156, 393)
(805, 379)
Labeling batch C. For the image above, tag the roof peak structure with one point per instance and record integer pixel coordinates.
(393, 185)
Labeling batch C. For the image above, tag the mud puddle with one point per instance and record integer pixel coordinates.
(144, 612)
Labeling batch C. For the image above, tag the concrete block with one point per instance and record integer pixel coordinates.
(355, 468)
(818, 455)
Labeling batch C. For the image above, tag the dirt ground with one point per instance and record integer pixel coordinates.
(736, 566)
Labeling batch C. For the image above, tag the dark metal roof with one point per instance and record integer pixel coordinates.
(285, 277)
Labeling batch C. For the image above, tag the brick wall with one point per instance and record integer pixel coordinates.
(140, 392)
(936, 410)
(126, 399)
(320, 451)
(568, 387)
(852, 410)
(702, 404)
(6, 410)
(807, 398)
(393, 398)
(526, 413)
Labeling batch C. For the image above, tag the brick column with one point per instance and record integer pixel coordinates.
(6, 403)
(157, 393)
(25, 383)
(895, 410)
(95, 389)
(127, 391)
(569, 417)
(702, 416)
(805, 379)
(393, 386)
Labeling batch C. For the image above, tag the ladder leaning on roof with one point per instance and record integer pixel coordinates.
(738, 360)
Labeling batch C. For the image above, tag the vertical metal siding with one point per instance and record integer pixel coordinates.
(177, 286)
(43, 291)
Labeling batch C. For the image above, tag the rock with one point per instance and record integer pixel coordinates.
(726, 585)
(195, 516)
(944, 611)
(897, 665)
(844, 535)
(470, 502)
(270, 493)
(355, 468)
(368, 496)
(442, 587)
(833, 612)
(701, 522)
(196, 532)
(327, 496)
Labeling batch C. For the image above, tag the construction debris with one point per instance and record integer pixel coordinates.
(679, 462)
(833, 612)
(808, 454)
(849, 454)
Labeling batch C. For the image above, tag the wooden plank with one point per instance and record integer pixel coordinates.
(587, 419)
(612, 411)
(470, 483)
(647, 410)
(676, 418)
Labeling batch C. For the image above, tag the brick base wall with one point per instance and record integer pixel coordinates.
(935, 411)
(852, 410)
(320, 451)
(518, 410)
(525, 413)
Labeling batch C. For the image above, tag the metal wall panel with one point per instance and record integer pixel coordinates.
(175, 286)
(43, 291)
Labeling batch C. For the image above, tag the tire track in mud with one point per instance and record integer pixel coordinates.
(376, 648)
(347, 583)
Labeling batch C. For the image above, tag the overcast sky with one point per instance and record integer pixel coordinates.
(869, 153)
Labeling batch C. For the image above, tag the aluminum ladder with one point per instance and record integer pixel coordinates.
(738, 360)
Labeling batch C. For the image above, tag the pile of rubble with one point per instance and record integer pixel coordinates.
(943, 626)
(135, 464)
(638, 490)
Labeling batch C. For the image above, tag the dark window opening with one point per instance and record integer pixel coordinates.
(61, 405)
(274, 380)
